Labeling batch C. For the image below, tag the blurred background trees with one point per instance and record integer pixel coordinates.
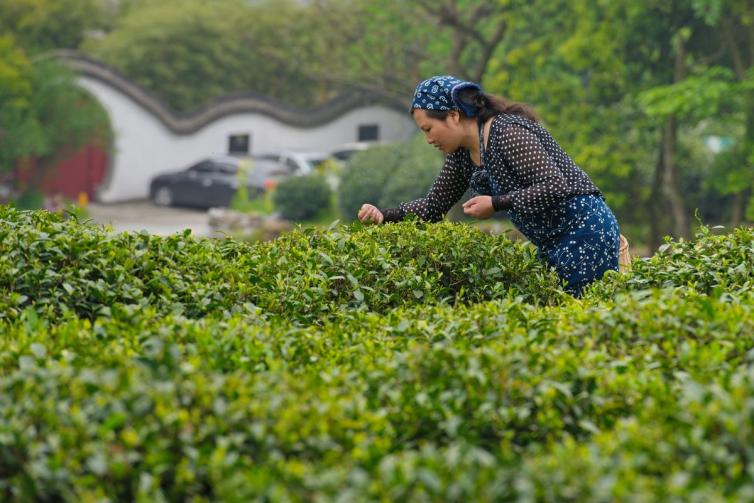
(654, 99)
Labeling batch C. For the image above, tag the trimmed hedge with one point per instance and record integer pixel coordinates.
(171, 369)
(424, 402)
(58, 266)
(711, 263)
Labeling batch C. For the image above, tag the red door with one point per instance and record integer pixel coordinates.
(83, 172)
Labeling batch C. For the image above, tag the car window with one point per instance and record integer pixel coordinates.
(202, 167)
(291, 165)
(343, 155)
(227, 169)
(270, 168)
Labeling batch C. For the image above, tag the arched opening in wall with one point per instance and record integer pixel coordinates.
(78, 156)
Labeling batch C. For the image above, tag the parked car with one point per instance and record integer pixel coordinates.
(344, 152)
(297, 163)
(214, 181)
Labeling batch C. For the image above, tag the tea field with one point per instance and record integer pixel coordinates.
(405, 362)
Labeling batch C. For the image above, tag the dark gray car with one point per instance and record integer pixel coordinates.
(213, 181)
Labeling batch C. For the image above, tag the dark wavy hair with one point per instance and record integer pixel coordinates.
(487, 105)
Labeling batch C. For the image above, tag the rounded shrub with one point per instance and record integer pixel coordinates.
(364, 179)
(417, 167)
(388, 175)
(301, 197)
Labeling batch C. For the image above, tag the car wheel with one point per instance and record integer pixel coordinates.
(163, 196)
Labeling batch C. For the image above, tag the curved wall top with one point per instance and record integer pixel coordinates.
(150, 138)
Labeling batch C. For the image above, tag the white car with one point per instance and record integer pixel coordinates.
(344, 152)
(297, 163)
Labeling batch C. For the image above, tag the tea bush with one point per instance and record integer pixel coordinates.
(710, 263)
(171, 369)
(306, 274)
(59, 266)
(140, 406)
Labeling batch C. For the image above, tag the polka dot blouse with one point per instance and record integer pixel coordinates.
(523, 162)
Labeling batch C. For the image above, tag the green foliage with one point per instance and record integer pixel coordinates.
(191, 41)
(43, 25)
(30, 200)
(16, 95)
(188, 52)
(710, 264)
(695, 98)
(417, 167)
(387, 175)
(15, 87)
(58, 266)
(242, 200)
(42, 111)
(494, 394)
(302, 197)
(364, 178)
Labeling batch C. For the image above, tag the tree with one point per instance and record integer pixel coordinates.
(735, 21)
(43, 113)
(42, 25)
(385, 47)
(720, 84)
(568, 59)
(15, 101)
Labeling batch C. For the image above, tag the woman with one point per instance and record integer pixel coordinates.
(512, 164)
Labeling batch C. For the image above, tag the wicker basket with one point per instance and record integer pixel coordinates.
(624, 256)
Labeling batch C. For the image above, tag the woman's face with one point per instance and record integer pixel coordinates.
(444, 135)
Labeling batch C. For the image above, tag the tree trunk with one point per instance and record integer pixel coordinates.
(741, 198)
(657, 228)
(737, 208)
(668, 177)
(669, 180)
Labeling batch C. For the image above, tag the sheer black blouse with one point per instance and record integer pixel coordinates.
(526, 165)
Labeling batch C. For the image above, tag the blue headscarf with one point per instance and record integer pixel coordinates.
(441, 93)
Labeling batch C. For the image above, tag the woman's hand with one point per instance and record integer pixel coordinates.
(370, 213)
(479, 207)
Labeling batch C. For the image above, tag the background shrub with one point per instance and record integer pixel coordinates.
(389, 175)
(301, 197)
(364, 179)
(416, 168)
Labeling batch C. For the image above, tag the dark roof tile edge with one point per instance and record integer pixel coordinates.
(220, 107)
